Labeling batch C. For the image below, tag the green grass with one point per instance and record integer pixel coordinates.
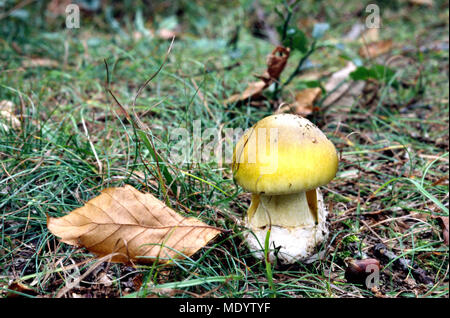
(396, 145)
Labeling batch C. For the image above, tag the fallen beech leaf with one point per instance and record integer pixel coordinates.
(369, 36)
(39, 62)
(304, 100)
(313, 75)
(375, 49)
(253, 90)
(276, 62)
(335, 87)
(351, 96)
(137, 227)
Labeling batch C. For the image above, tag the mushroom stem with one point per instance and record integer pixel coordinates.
(289, 210)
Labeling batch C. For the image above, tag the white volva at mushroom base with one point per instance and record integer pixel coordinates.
(289, 244)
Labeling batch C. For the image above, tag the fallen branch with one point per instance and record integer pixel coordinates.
(381, 251)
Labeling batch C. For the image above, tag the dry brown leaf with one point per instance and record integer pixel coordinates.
(352, 95)
(253, 90)
(375, 49)
(313, 75)
(304, 100)
(335, 87)
(370, 35)
(276, 62)
(137, 227)
(39, 62)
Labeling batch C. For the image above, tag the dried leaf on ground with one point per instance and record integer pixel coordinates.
(370, 35)
(39, 62)
(305, 99)
(336, 86)
(352, 95)
(313, 75)
(253, 90)
(276, 62)
(374, 49)
(137, 227)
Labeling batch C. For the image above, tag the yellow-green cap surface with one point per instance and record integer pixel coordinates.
(283, 154)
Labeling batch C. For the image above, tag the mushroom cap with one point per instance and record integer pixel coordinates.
(283, 154)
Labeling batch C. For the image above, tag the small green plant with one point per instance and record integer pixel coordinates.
(296, 40)
(350, 239)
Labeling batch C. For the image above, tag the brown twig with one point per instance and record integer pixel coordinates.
(380, 250)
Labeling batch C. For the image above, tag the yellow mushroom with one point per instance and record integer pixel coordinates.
(282, 160)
